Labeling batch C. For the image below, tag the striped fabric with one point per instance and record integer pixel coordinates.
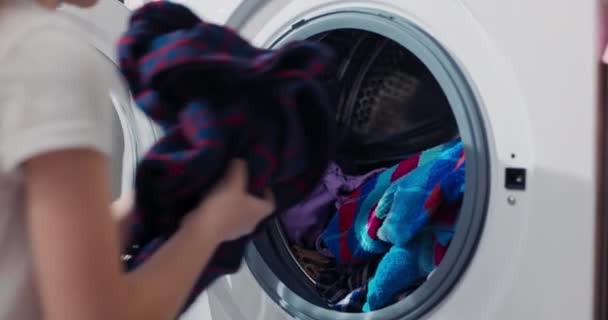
(351, 235)
(394, 216)
(216, 97)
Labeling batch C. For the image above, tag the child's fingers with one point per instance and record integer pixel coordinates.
(269, 195)
(262, 207)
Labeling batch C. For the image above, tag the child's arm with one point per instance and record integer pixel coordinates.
(76, 248)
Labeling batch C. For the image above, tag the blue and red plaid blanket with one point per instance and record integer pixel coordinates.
(217, 97)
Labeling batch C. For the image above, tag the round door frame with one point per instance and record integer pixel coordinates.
(467, 111)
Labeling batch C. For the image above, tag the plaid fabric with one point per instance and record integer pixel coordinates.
(217, 97)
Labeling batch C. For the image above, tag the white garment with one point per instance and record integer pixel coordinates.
(53, 95)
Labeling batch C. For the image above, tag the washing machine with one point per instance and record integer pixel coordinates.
(523, 83)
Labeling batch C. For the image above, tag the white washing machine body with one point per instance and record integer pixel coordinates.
(531, 102)
(533, 68)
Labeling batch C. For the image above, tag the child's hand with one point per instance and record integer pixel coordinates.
(229, 211)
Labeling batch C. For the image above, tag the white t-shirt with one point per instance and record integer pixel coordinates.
(54, 94)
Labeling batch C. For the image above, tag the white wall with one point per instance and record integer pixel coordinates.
(212, 11)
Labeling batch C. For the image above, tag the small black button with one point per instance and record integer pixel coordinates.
(515, 178)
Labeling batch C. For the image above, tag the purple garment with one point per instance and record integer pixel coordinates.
(305, 221)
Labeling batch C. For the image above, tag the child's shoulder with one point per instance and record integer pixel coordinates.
(26, 28)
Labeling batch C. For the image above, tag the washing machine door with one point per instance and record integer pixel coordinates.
(505, 261)
(271, 284)
(133, 133)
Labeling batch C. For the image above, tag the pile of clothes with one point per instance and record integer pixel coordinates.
(369, 241)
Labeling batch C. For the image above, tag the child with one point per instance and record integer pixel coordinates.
(59, 243)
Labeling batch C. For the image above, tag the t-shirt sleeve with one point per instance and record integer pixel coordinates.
(54, 95)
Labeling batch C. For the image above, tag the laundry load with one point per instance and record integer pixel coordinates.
(388, 235)
(304, 222)
(391, 216)
(216, 97)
